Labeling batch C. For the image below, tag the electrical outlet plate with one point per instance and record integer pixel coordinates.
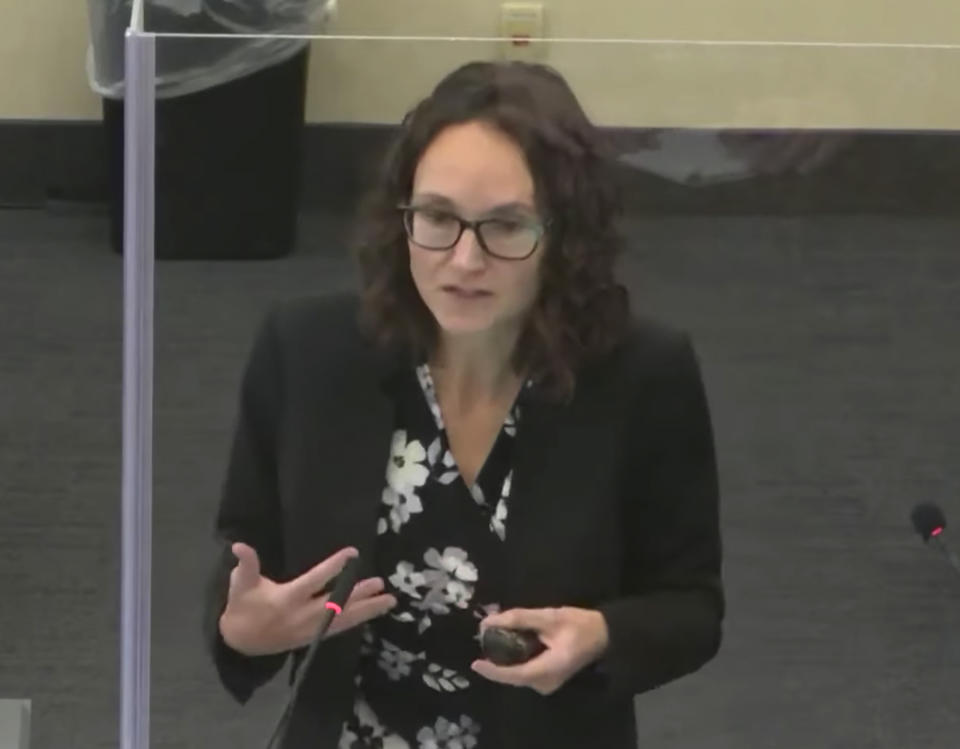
(521, 22)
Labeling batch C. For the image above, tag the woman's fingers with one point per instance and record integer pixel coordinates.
(364, 589)
(370, 586)
(246, 574)
(315, 579)
(360, 611)
(540, 620)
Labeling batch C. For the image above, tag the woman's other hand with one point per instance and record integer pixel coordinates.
(263, 617)
(574, 638)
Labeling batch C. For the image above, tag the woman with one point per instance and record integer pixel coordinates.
(549, 460)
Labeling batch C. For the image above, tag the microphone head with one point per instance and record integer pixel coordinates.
(928, 520)
(343, 585)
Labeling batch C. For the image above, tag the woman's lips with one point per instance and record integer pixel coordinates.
(462, 293)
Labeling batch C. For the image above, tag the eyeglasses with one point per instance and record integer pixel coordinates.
(504, 238)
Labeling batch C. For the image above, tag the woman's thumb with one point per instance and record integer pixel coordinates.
(247, 571)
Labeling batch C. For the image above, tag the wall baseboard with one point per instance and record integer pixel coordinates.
(44, 161)
(912, 173)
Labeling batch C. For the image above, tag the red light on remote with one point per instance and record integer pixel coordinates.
(334, 607)
(937, 531)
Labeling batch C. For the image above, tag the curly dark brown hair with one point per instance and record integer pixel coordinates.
(581, 310)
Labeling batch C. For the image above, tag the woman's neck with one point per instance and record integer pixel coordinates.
(474, 372)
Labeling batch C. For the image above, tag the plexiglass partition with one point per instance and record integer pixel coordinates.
(788, 187)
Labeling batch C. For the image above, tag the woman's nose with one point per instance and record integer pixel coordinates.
(468, 252)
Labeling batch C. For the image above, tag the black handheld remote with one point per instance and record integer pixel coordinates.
(508, 647)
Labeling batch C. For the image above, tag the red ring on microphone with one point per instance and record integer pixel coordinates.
(334, 607)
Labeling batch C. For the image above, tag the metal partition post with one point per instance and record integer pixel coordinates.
(138, 259)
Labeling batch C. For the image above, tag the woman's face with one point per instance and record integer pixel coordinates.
(474, 171)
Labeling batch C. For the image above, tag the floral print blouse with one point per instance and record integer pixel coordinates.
(438, 551)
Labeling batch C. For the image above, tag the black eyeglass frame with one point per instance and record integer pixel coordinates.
(540, 227)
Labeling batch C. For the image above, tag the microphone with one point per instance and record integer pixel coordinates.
(342, 587)
(930, 522)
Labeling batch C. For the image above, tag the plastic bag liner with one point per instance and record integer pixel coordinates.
(189, 65)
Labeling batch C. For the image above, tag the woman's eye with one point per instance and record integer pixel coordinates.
(437, 217)
(506, 226)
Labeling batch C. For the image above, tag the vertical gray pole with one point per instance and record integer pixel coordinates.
(138, 255)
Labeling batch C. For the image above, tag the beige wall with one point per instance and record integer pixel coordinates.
(42, 74)
(42, 49)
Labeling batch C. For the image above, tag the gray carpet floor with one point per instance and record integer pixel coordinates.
(830, 351)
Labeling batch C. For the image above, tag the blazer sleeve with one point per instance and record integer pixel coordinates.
(668, 622)
(249, 510)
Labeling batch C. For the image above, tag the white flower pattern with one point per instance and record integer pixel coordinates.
(408, 580)
(405, 470)
(476, 491)
(510, 425)
(402, 506)
(365, 730)
(395, 662)
(453, 561)
(447, 580)
(420, 492)
(448, 735)
(498, 523)
(444, 679)
(430, 391)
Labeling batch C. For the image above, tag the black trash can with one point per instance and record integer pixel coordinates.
(228, 166)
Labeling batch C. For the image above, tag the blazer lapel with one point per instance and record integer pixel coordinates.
(352, 444)
(355, 426)
(563, 525)
(536, 478)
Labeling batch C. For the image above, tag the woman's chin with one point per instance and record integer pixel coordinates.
(463, 327)
(462, 324)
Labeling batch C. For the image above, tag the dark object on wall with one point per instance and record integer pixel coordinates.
(228, 166)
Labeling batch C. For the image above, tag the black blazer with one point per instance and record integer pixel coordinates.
(614, 507)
